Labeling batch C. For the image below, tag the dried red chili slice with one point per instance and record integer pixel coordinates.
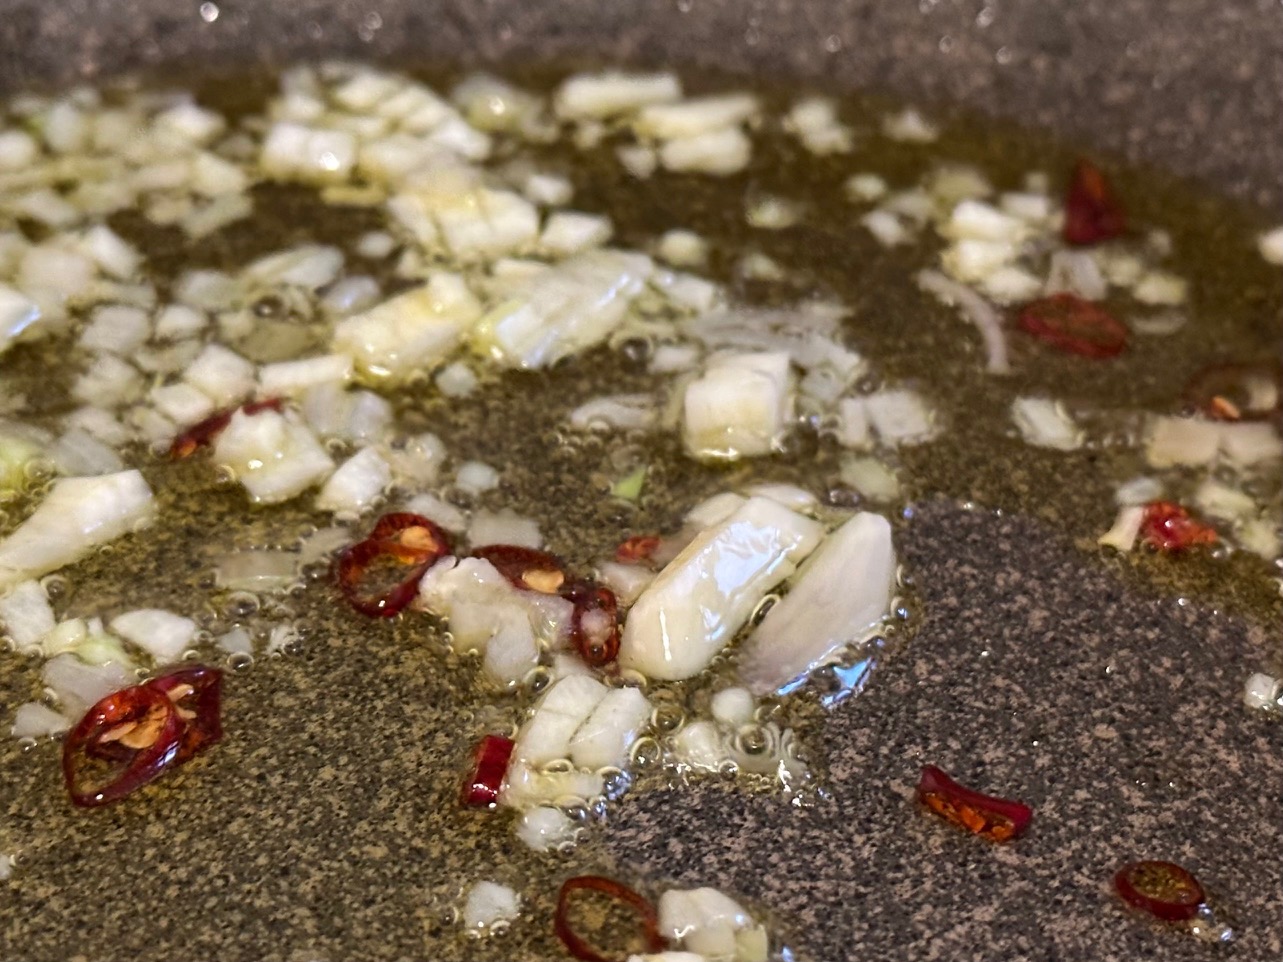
(594, 626)
(489, 765)
(1237, 392)
(1168, 526)
(196, 694)
(637, 549)
(1093, 212)
(579, 947)
(997, 819)
(526, 568)
(1076, 326)
(1163, 889)
(127, 739)
(380, 575)
(204, 433)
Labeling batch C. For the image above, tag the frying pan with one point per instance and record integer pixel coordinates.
(1122, 728)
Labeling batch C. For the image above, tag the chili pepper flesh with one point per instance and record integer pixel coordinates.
(991, 817)
(1163, 889)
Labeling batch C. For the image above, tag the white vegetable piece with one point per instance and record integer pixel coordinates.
(607, 735)
(682, 248)
(886, 227)
(275, 458)
(1181, 441)
(909, 126)
(77, 515)
(1250, 443)
(296, 152)
(569, 232)
(25, 615)
(1261, 692)
(259, 570)
(700, 746)
(1270, 244)
(34, 720)
(287, 378)
(695, 116)
(567, 705)
(899, 417)
(625, 580)
(512, 651)
(357, 483)
(563, 310)
(627, 412)
(489, 904)
(456, 380)
(182, 403)
(703, 920)
(545, 828)
(597, 96)
(526, 786)
(116, 328)
(740, 407)
(814, 121)
(733, 706)
(871, 477)
(717, 152)
(1044, 423)
(442, 512)
(162, 634)
(413, 330)
(78, 685)
(704, 595)
(17, 313)
(840, 593)
(223, 374)
(476, 477)
(1122, 535)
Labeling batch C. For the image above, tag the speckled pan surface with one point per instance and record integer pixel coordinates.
(1115, 710)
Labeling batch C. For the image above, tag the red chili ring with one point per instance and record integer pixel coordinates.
(580, 948)
(390, 540)
(205, 726)
(1163, 889)
(991, 817)
(143, 766)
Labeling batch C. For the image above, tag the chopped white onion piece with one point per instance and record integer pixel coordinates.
(627, 412)
(909, 126)
(1075, 272)
(176, 321)
(1159, 287)
(548, 190)
(162, 634)
(236, 642)
(258, 570)
(1138, 490)
(697, 115)
(182, 403)
(977, 310)
(569, 232)
(1261, 692)
(1223, 502)
(1185, 441)
(108, 382)
(703, 920)
(545, 828)
(287, 378)
(357, 416)
(274, 457)
(17, 313)
(1122, 535)
(900, 417)
(489, 905)
(34, 720)
(606, 737)
(1044, 423)
(442, 512)
(413, 330)
(840, 592)
(76, 516)
(773, 213)
(671, 358)
(699, 745)
(25, 615)
(871, 478)
(78, 685)
(705, 594)
(865, 188)
(1250, 442)
(733, 707)
(503, 527)
(625, 580)
(476, 477)
(456, 380)
(558, 715)
(79, 454)
(563, 310)
(976, 220)
(222, 374)
(1270, 244)
(296, 152)
(742, 406)
(814, 121)
(610, 94)
(526, 786)
(886, 227)
(718, 152)
(356, 484)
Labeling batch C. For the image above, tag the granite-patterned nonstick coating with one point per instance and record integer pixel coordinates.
(1114, 712)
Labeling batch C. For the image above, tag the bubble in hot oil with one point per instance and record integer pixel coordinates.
(209, 12)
